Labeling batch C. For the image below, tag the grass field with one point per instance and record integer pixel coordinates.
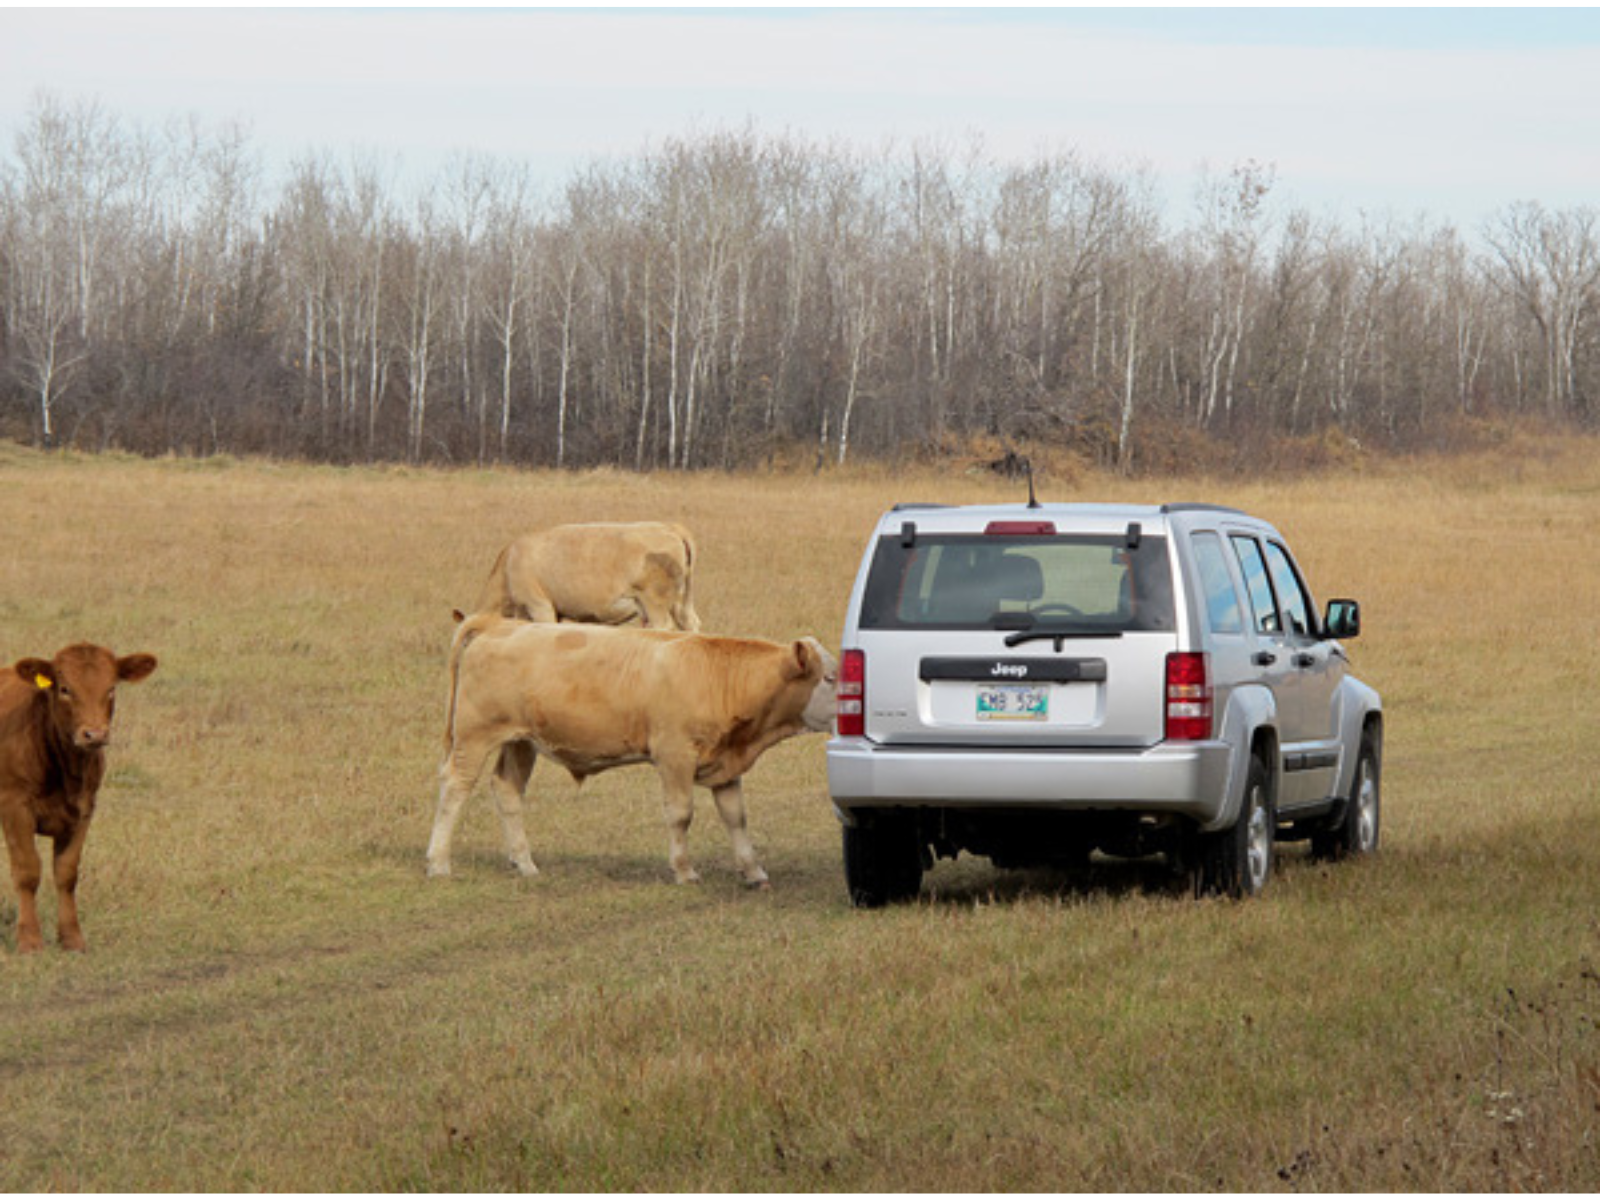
(276, 998)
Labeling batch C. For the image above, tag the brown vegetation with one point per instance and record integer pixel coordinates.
(276, 998)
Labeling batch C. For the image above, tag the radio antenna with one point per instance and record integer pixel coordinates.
(1033, 501)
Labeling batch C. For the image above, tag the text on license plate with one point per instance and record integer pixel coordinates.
(1014, 702)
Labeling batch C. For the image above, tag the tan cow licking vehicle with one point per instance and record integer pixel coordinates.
(702, 709)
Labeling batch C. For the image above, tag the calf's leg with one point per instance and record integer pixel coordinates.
(510, 783)
(457, 774)
(68, 855)
(730, 804)
(25, 873)
(677, 802)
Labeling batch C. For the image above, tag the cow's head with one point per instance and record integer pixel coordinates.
(812, 663)
(80, 684)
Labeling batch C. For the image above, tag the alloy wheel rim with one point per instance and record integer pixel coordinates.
(1366, 809)
(1258, 845)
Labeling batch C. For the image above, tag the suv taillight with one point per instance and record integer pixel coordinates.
(852, 713)
(1188, 697)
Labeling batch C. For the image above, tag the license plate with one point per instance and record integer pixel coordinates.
(1014, 702)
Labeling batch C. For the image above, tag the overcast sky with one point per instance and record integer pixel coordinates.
(1451, 112)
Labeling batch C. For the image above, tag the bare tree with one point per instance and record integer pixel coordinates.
(564, 251)
(422, 289)
(1550, 262)
(1233, 221)
(1137, 282)
(509, 249)
(856, 220)
(53, 247)
(468, 188)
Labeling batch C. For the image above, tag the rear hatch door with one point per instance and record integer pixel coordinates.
(1018, 635)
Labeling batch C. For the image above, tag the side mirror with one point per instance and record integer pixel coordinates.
(1343, 619)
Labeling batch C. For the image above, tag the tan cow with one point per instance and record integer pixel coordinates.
(599, 574)
(55, 723)
(702, 709)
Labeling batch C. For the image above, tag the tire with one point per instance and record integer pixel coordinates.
(1237, 862)
(1360, 827)
(882, 859)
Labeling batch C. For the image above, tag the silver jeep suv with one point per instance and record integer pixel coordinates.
(1034, 683)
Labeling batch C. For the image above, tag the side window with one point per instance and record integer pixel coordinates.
(1223, 612)
(1263, 607)
(1296, 604)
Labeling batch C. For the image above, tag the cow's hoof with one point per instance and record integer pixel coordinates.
(29, 945)
(438, 870)
(74, 944)
(526, 869)
(689, 876)
(758, 885)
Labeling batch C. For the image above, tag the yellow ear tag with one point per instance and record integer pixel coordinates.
(44, 682)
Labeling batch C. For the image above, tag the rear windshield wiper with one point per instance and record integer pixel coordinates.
(1026, 629)
(1058, 635)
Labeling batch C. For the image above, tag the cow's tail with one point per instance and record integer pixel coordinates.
(496, 597)
(466, 631)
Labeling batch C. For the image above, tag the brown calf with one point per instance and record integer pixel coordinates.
(55, 723)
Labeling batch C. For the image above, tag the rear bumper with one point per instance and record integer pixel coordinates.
(1189, 779)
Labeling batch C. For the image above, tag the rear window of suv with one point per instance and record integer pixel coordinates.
(1090, 584)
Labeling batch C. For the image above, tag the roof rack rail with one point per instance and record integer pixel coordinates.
(913, 505)
(1187, 506)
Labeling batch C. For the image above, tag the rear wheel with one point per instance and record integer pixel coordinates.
(882, 858)
(1358, 830)
(1237, 861)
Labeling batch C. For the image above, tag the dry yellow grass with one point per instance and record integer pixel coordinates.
(274, 996)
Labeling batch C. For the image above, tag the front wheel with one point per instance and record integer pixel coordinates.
(1357, 832)
(1237, 861)
(882, 859)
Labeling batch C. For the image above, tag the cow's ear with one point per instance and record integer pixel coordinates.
(804, 660)
(37, 672)
(458, 615)
(132, 668)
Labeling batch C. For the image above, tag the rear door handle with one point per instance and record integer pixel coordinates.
(1305, 660)
(1264, 658)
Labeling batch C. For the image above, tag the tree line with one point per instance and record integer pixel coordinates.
(733, 295)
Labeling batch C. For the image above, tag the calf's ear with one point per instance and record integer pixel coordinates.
(134, 667)
(36, 671)
(804, 660)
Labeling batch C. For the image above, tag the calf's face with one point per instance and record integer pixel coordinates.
(823, 703)
(81, 684)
